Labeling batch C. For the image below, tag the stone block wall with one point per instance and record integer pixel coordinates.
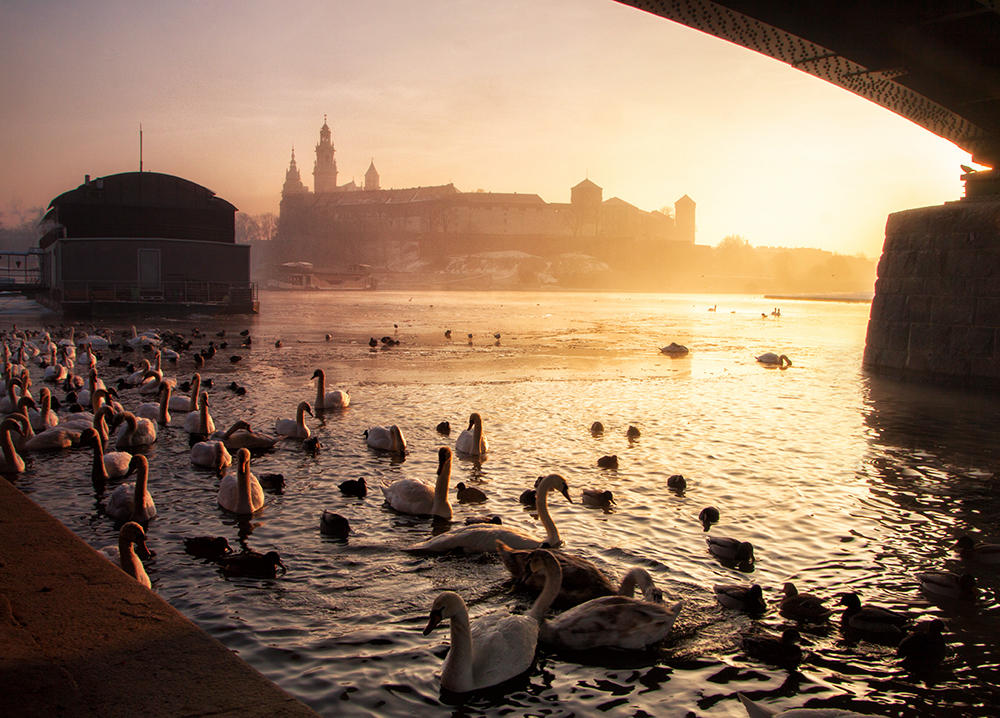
(936, 311)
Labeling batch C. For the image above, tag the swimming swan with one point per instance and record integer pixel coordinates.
(472, 442)
(135, 432)
(619, 622)
(200, 422)
(295, 428)
(131, 534)
(493, 648)
(241, 436)
(582, 580)
(335, 399)
(386, 439)
(410, 496)
(759, 710)
(131, 501)
(780, 360)
(12, 461)
(179, 402)
(482, 538)
(157, 411)
(111, 465)
(241, 494)
(211, 455)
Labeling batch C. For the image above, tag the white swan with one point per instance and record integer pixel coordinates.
(57, 437)
(241, 436)
(211, 455)
(780, 360)
(136, 377)
(43, 418)
(151, 382)
(158, 411)
(472, 441)
(494, 648)
(482, 538)
(131, 501)
(12, 461)
(295, 428)
(619, 622)
(110, 465)
(135, 432)
(410, 496)
(335, 399)
(386, 439)
(200, 422)
(241, 494)
(179, 402)
(132, 535)
(759, 710)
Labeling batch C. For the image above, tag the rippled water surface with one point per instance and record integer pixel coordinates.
(842, 483)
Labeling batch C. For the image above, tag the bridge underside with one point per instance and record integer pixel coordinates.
(936, 63)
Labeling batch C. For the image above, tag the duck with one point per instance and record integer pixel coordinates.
(131, 548)
(494, 648)
(771, 359)
(759, 710)
(981, 552)
(135, 432)
(12, 461)
(632, 433)
(210, 547)
(252, 563)
(482, 538)
(708, 516)
(110, 465)
(211, 455)
(335, 399)
(443, 427)
(472, 441)
(677, 483)
(333, 524)
(241, 494)
(411, 496)
(469, 494)
(748, 599)
(527, 497)
(924, 647)
(870, 619)
(802, 607)
(132, 501)
(783, 651)
(596, 429)
(597, 499)
(581, 580)
(674, 349)
(179, 402)
(354, 487)
(200, 422)
(295, 428)
(490, 519)
(618, 622)
(609, 461)
(947, 585)
(731, 550)
(386, 439)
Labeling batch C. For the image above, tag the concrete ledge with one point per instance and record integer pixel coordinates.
(80, 638)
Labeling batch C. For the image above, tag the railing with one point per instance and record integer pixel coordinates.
(178, 292)
(20, 270)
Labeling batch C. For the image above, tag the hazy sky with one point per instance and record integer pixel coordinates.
(512, 96)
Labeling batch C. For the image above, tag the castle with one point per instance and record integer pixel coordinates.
(336, 226)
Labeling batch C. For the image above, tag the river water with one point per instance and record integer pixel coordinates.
(842, 482)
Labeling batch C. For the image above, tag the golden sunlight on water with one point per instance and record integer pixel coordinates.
(841, 482)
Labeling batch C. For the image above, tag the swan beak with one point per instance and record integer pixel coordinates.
(143, 552)
(565, 492)
(433, 620)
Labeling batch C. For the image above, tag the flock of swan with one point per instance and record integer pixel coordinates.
(484, 652)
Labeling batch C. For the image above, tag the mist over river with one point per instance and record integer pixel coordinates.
(842, 482)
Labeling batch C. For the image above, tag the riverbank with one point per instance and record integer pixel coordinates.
(80, 638)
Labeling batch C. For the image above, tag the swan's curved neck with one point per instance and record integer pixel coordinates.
(300, 416)
(477, 435)
(99, 474)
(550, 591)
(10, 454)
(195, 389)
(203, 418)
(459, 662)
(542, 506)
(320, 388)
(164, 416)
(244, 503)
(441, 507)
(141, 478)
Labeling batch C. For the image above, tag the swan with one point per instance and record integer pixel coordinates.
(93, 384)
(241, 436)
(749, 599)
(187, 403)
(200, 422)
(211, 455)
(111, 465)
(981, 552)
(410, 496)
(158, 411)
(472, 441)
(759, 710)
(242, 493)
(131, 501)
(493, 648)
(386, 439)
(86, 360)
(9, 402)
(43, 418)
(871, 619)
(295, 428)
(771, 359)
(12, 461)
(151, 382)
(131, 535)
(802, 607)
(582, 580)
(136, 377)
(482, 538)
(55, 438)
(135, 432)
(620, 622)
(335, 399)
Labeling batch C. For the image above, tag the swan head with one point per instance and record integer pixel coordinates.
(89, 436)
(132, 533)
(553, 482)
(474, 419)
(446, 605)
(242, 458)
(304, 407)
(139, 464)
(318, 374)
(444, 459)
(10, 424)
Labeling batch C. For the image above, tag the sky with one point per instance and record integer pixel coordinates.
(512, 96)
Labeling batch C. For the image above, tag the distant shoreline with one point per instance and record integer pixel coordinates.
(852, 298)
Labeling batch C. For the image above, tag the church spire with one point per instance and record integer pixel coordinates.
(371, 177)
(325, 169)
(293, 180)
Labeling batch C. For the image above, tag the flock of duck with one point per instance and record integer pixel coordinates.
(596, 612)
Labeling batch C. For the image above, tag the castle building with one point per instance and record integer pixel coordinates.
(338, 225)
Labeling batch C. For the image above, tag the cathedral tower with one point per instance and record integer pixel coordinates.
(371, 177)
(293, 180)
(325, 169)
